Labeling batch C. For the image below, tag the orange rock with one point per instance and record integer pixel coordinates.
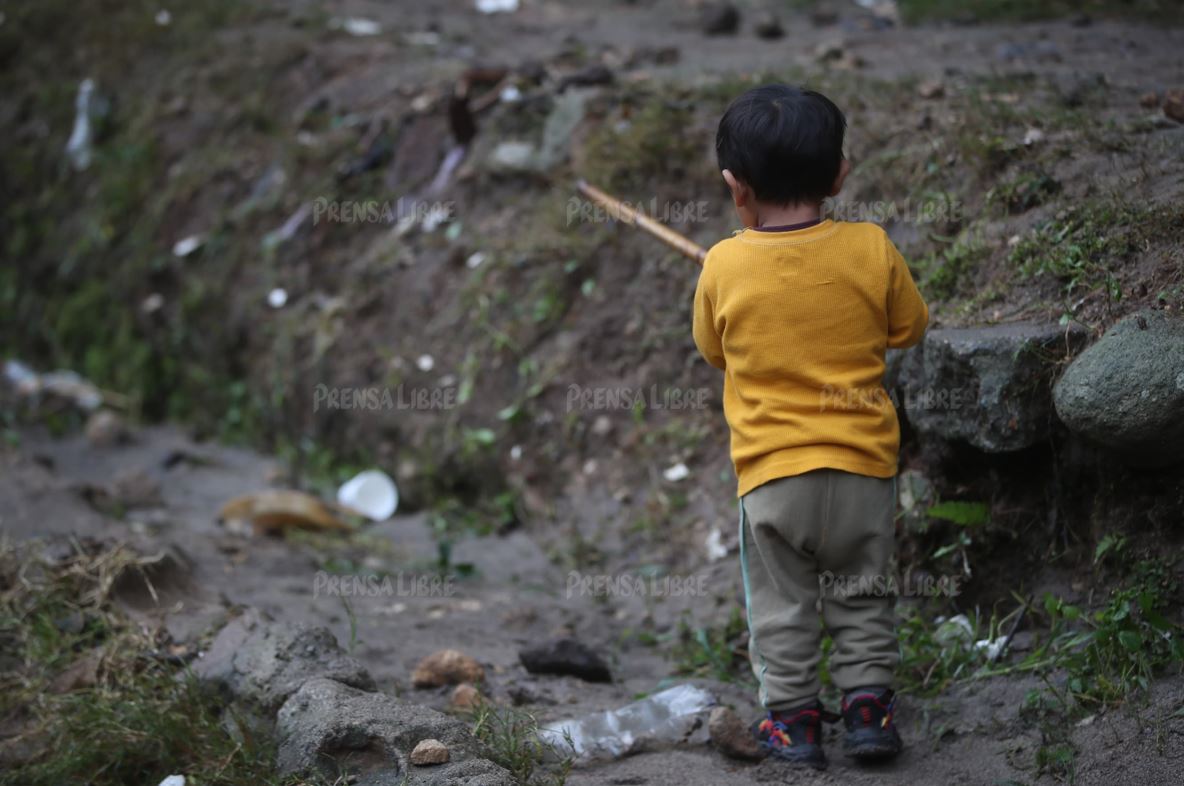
(446, 667)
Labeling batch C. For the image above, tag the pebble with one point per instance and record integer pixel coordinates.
(446, 667)
(730, 735)
(429, 752)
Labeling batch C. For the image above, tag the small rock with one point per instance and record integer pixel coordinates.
(934, 88)
(446, 667)
(731, 736)
(565, 656)
(136, 489)
(105, 428)
(1149, 100)
(768, 26)
(1173, 105)
(719, 19)
(591, 76)
(429, 752)
(465, 697)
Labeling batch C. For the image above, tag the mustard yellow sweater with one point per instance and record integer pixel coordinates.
(799, 321)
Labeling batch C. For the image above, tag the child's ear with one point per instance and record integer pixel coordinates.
(844, 170)
(740, 193)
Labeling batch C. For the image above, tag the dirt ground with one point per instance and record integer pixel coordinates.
(368, 304)
(972, 734)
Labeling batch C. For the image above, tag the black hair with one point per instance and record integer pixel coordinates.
(785, 143)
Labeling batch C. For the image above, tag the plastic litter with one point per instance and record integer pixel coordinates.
(371, 493)
(954, 632)
(68, 385)
(425, 363)
(173, 780)
(288, 229)
(79, 148)
(676, 473)
(274, 510)
(497, 6)
(356, 25)
(666, 717)
(716, 550)
(186, 246)
(277, 297)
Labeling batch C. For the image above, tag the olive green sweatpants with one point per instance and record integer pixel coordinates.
(824, 538)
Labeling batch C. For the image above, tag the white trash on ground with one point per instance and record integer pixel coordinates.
(371, 493)
(666, 717)
(173, 780)
(676, 473)
(497, 6)
(79, 149)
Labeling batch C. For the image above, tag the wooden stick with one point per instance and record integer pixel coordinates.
(622, 212)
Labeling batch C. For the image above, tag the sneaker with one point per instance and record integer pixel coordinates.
(871, 734)
(794, 736)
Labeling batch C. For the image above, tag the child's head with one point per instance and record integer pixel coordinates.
(781, 146)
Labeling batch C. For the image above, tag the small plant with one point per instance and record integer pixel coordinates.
(943, 272)
(512, 739)
(711, 651)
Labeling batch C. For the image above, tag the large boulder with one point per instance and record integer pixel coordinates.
(1126, 392)
(987, 386)
(333, 730)
(262, 663)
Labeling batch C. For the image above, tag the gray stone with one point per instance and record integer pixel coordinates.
(988, 386)
(1126, 391)
(263, 662)
(335, 730)
(731, 736)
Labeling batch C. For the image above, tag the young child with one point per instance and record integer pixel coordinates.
(797, 312)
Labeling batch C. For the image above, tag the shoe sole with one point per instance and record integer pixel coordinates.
(780, 755)
(876, 746)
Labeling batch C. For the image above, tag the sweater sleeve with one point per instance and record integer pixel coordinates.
(706, 338)
(907, 313)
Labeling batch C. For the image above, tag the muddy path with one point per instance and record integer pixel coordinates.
(172, 487)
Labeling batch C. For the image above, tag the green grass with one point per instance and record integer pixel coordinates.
(711, 651)
(143, 718)
(511, 740)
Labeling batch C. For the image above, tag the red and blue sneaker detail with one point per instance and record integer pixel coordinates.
(794, 735)
(871, 732)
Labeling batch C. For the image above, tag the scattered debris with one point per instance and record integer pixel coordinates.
(731, 736)
(513, 156)
(277, 298)
(61, 384)
(676, 473)
(565, 657)
(591, 76)
(273, 510)
(163, 19)
(446, 667)
(475, 260)
(187, 245)
(425, 363)
(80, 147)
(105, 428)
(286, 231)
(497, 6)
(670, 716)
(371, 494)
(429, 752)
(173, 780)
(1033, 136)
(719, 19)
(355, 26)
(716, 550)
(933, 88)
